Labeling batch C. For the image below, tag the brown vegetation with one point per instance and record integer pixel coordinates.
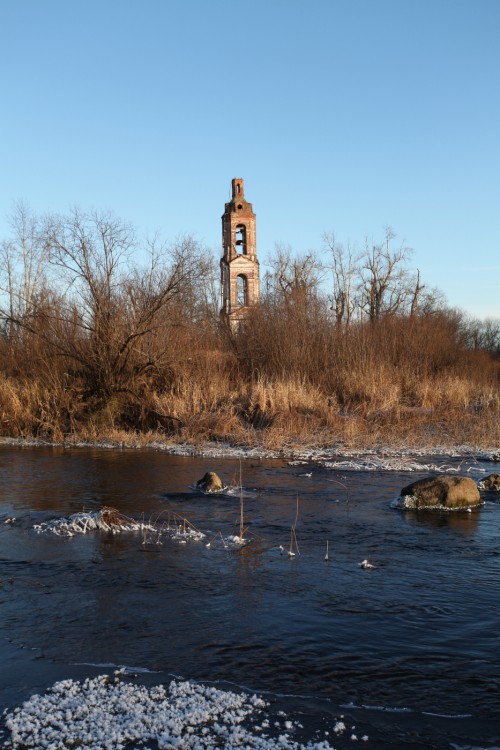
(94, 346)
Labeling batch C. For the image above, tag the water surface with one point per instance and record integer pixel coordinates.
(408, 651)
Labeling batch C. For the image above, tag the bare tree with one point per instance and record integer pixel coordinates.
(491, 335)
(198, 300)
(423, 300)
(293, 278)
(107, 316)
(344, 267)
(23, 266)
(416, 294)
(482, 334)
(384, 278)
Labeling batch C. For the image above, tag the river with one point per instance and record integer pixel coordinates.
(406, 654)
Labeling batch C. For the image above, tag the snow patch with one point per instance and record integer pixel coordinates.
(105, 713)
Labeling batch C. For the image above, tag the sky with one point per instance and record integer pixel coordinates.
(340, 115)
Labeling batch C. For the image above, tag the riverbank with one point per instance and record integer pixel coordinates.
(375, 457)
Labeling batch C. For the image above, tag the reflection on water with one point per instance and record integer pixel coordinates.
(461, 522)
(419, 632)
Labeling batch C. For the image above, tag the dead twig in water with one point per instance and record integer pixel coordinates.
(242, 523)
(293, 533)
(344, 487)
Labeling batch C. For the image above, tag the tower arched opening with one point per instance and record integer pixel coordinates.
(242, 290)
(241, 239)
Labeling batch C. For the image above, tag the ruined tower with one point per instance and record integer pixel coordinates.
(239, 264)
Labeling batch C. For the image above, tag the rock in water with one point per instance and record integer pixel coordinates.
(490, 483)
(210, 482)
(441, 492)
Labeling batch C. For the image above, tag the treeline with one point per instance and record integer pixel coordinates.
(105, 336)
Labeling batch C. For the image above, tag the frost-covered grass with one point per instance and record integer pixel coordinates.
(298, 454)
(106, 519)
(394, 464)
(111, 520)
(489, 456)
(107, 713)
(166, 525)
(174, 527)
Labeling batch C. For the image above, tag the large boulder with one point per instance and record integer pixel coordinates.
(441, 493)
(490, 483)
(210, 482)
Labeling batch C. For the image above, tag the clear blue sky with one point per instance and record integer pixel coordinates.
(345, 115)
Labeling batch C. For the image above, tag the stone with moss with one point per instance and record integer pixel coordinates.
(440, 492)
(210, 482)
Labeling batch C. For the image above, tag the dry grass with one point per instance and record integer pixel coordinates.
(30, 409)
(278, 416)
(373, 386)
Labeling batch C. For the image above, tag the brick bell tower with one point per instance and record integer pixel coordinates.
(239, 264)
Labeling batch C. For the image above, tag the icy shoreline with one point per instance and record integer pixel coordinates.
(340, 455)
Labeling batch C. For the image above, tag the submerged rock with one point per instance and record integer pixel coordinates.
(210, 482)
(441, 493)
(491, 483)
